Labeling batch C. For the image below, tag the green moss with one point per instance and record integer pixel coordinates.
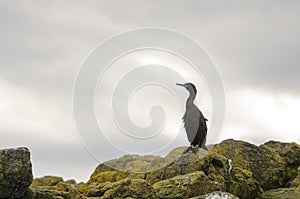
(47, 181)
(267, 166)
(185, 186)
(108, 176)
(281, 193)
(135, 188)
(15, 172)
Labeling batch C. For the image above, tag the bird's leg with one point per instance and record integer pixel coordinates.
(195, 148)
(186, 150)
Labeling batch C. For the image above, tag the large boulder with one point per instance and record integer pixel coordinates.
(290, 152)
(15, 172)
(281, 193)
(267, 166)
(132, 188)
(187, 163)
(47, 181)
(184, 176)
(214, 170)
(52, 187)
(102, 174)
(185, 186)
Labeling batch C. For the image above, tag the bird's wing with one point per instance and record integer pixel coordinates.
(191, 123)
(202, 130)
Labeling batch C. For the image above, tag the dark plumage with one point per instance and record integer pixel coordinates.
(194, 121)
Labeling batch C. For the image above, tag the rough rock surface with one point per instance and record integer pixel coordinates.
(268, 167)
(15, 172)
(282, 193)
(52, 187)
(135, 188)
(190, 175)
(233, 169)
(185, 186)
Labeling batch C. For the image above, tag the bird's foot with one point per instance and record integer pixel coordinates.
(195, 149)
(186, 150)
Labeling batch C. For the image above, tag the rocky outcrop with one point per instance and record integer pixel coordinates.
(239, 168)
(267, 167)
(185, 186)
(15, 172)
(232, 169)
(52, 187)
(188, 176)
(282, 193)
(126, 188)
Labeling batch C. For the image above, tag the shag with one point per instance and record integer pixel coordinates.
(194, 121)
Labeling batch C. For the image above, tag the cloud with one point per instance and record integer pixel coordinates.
(40, 124)
(258, 116)
(255, 45)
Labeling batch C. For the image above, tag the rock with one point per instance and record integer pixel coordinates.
(216, 195)
(47, 193)
(267, 166)
(100, 175)
(134, 188)
(185, 186)
(53, 187)
(47, 181)
(187, 163)
(296, 181)
(216, 168)
(15, 172)
(136, 163)
(197, 174)
(281, 193)
(174, 154)
(290, 152)
(232, 169)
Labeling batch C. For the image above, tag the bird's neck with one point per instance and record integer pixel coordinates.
(190, 100)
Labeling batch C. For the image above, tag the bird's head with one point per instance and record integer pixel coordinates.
(189, 86)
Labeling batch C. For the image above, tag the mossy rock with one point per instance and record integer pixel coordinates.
(174, 154)
(290, 152)
(185, 186)
(296, 181)
(53, 187)
(267, 167)
(136, 163)
(187, 163)
(281, 193)
(99, 177)
(108, 176)
(47, 181)
(216, 168)
(135, 188)
(41, 192)
(235, 180)
(15, 172)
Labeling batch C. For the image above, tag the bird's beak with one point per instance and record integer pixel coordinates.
(180, 84)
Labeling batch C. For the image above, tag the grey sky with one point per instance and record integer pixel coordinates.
(255, 45)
